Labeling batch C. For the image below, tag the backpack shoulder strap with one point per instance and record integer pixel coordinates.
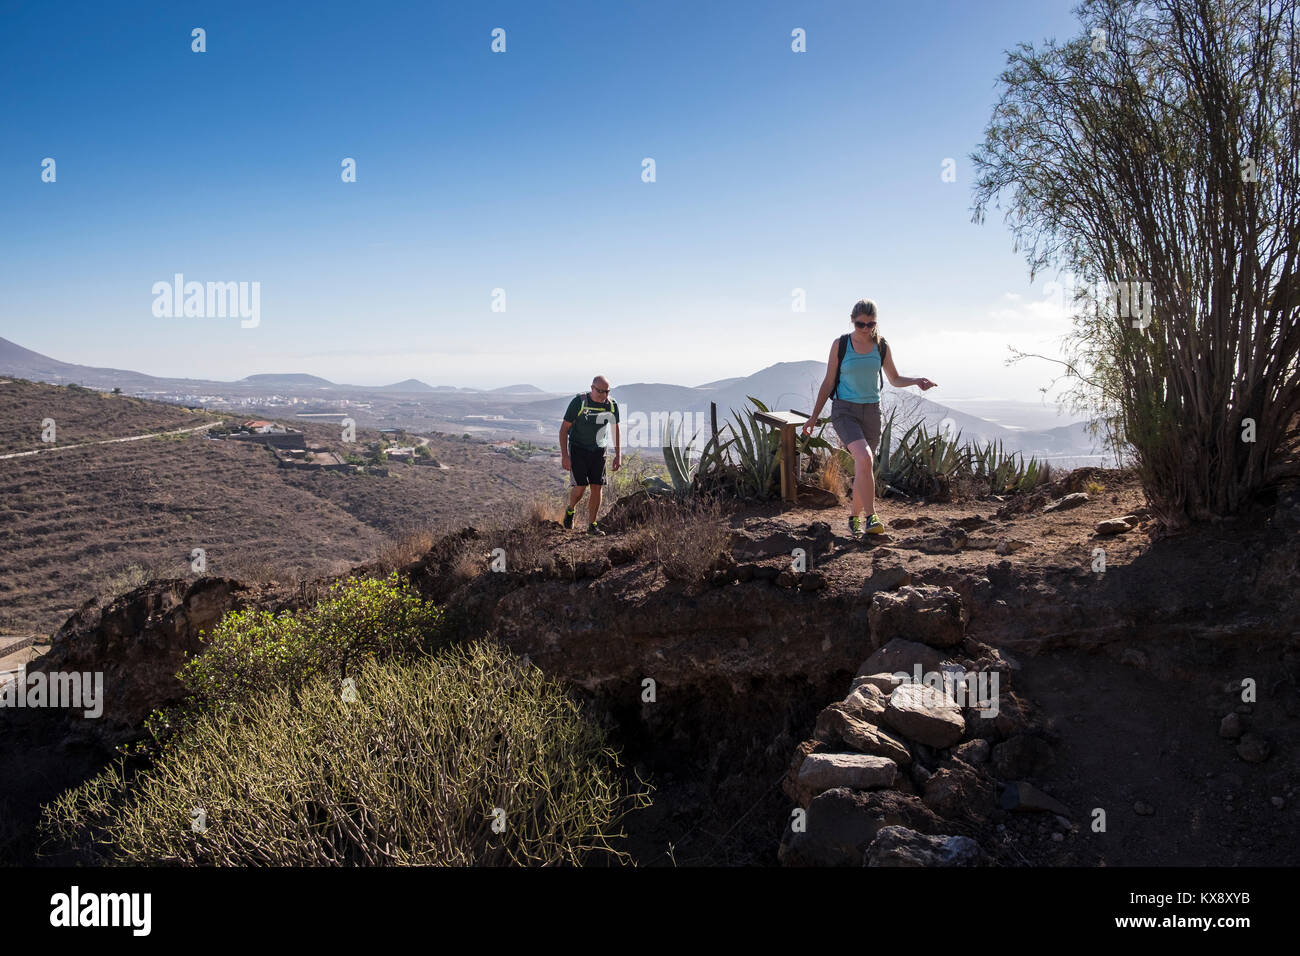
(843, 348)
(884, 351)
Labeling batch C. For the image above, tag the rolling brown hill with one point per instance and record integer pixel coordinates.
(91, 521)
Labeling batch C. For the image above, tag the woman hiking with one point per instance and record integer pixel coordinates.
(856, 368)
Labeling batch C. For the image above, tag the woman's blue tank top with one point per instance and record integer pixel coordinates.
(860, 376)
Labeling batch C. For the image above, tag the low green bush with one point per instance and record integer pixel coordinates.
(356, 619)
(466, 757)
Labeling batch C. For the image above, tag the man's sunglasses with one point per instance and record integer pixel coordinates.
(601, 391)
(865, 325)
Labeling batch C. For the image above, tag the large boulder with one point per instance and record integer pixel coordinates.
(899, 846)
(840, 824)
(932, 615)
(925, 714)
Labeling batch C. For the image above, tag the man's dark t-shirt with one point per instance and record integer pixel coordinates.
(589, 419)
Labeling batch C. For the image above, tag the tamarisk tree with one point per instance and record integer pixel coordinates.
(1155, 156)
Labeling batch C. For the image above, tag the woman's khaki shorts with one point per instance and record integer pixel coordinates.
(855, 421)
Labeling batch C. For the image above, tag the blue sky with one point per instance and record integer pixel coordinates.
(521, 171)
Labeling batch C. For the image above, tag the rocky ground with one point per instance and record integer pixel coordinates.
(759, 703)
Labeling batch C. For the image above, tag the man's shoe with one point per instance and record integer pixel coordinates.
(874, 526)
(593, 530)
(855, 525)
(568, 518)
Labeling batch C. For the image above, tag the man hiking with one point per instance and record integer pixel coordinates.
(855, 370)
(584, 436)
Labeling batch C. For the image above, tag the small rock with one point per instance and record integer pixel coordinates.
(1068, 502)
(812, 581)
(1058, 837)
(1252, 748)
(1143, 809)
(834, 723)
(1011, 545)
(883, 682)
(1022, 797)
(897, 846)
(1230, 727)
(1113, 526)
(956, 790)
(1134, 657)
(1277, 802)
(900, 656)
(886, 579)
(973, 751)
(822, 772)
(864, 702)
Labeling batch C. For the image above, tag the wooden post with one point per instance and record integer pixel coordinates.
(789, 465)
(713, 419)
(787, 422)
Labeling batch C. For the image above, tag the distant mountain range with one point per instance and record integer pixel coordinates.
(24, 363)
(794, 386)
(786, 385)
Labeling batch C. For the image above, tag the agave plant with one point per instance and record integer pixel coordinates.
(757, 448)
(1005, 473)
(684, 471)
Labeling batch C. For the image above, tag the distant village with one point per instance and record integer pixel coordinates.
(291, 449)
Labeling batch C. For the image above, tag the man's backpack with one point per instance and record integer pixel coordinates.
(612, 411)
(881, 346)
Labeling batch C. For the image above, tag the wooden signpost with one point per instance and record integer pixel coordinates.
(787, 422)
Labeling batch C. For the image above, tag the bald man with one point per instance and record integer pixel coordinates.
(584, 436)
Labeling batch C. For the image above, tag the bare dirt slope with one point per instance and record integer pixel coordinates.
(87, 522)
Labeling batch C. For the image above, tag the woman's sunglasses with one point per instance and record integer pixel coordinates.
(865, 325)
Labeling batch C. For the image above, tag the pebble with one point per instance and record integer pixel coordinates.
(1143, 809)
(1277, 802)
(1058, 837)
(1230, 727)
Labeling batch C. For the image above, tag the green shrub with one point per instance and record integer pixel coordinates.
(358, 618)
(408, 770)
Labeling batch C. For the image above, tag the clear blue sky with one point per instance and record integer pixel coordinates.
(775, 170)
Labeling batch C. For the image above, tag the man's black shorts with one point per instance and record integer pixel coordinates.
(588, 466)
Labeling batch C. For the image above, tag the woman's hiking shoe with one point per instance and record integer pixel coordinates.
(855, 525)
(568, 518)
(593, 530)
(874, 526)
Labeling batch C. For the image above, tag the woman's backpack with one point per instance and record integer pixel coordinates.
(883, 348)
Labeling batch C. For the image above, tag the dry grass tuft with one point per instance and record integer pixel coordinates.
(407, 546)
(685, 538)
